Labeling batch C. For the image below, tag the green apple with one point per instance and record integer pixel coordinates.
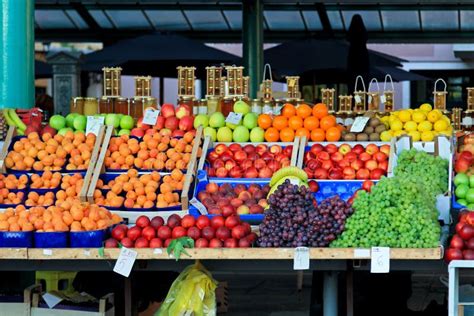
(124, 132)
(112, 119)
(211, 132)
(201, 120)
(471, 181)
(127, 122)
(224, 134)
(57, 122)
(462, 201)
(461, 178)
(470, 196)
(257, 135)
(241, 134)
(80, 122)
(241, 107)
(461, 191)
(250, 120)
(232, 126)
(470, 207)
(217, 120)
(64, 130)
(70, 119)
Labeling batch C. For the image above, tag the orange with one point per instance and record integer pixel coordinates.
(327, 122)
(280, 122)
(333, 134)
(287, 134)
(318, 135)
(340, 127)
(320, 110)
(311, 123)
(295, 122)
(264, 121)
(303, 110)
(288, 110)
(303, 132)
(272, 135)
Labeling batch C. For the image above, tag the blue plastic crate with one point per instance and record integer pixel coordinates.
(16, 239)
(87, 239)
(455, 205)
(15, 205)
(344, 188)
(51, 239)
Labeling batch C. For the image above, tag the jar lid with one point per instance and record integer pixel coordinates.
(80, 98)
(90, 99)
(105, 98)
(121, 99)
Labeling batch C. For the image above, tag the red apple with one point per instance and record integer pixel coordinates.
(259, 164)
(137, 132)
(164, 232)
(367, 185)
(201, 243)
(134, 232)
(337, 156)
(178, 232)
(469, 218)
(234, 147)
(119, 232)
(227, 155)
(231, 243)
(380, 156)
(186, 123)
(223, 233)
(238, 232)
(357, 164)
(177, 133)
(193, 232)
(323, 156)
(246, 164)
(141, 243)
(141, 125)
(127, 242)
(371, 164)
(377, 174)
(385, 149)
(309, 155)
(468, 254)
(365, 156)
(275, 149)
(227, 210)
(171, 123)
(251, 173)
(173, 221)
(461, 165)
(183, 110)
(453, 254)
(212, 187)
(327, 164)
(229, 164)
(208, 232)
(362, 174)
(320, 173)
(142, 221)
(203, 221)
(232, 221)
(217, 221)
(457, 242)
(218, 163)
(160, 123)
(383, 165)
(274, 165)
(111, 243)
(335, 174)
(240, 156)
(260, 149)
(371, 149)
(344, 163)
(149, 233)
(215, 243)
(313, 186)
(331, 148)
(265, 173)
(349, 173)
(466, 232)
(316, 148)
(344, 149)
(243, 210)
(221, 172)
(167, 110)
(220, 149)
(244, 243)
(263, 203)
(358, 149)
(255, 209)
(212, 156)
(351, 156)
(156, 243)
(188, 221)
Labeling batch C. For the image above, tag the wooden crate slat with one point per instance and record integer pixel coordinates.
(191, 170)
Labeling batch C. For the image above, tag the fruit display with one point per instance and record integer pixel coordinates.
(51, 153)
(336, 162)
(12, 119)
(47, 180)
(422, 124)
(36, 199)
(227, 200)
(400, 211)
(71, 186)
(8, 197)
(464, 190)
(464, 162)
(294, 219)
(249, 161)
(372, 132)
(217, 232)
(157, 151)
(301, 120)
(11, 181)
(461, 246)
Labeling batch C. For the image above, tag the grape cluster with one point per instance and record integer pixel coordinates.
(294, 219)
(400, 211)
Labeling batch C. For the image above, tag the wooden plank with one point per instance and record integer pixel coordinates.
(301, 148)
(100, 164)
(205, 148)
(13, 253)
(92, 164)
(294, 153)
(6, 144)
(191, 170)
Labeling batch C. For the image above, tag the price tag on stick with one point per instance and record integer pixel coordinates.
(150, 117)
(301, 259)
(234, 118)
(93, 124)
(359, 124)
(380, 260)
(125, 261)
(197, 204)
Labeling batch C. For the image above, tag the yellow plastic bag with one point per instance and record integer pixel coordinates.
(192, 293)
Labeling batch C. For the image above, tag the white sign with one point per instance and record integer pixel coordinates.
(380, 261)
(234, 118)
(301, 259)
(150, 117)
(197, 204)
(125, 261)
(361, 253)
(93, 124)
(47, 252)
(157, 251)
(359, 124)
(277, 110)
(51, 300)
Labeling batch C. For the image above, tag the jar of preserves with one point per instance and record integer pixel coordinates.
(149, 102)
(256, 106)
(136, 107)
(91, 106)
(212, 105)
(227, 106)
(77, 105)
(106, 105)
(121, 106)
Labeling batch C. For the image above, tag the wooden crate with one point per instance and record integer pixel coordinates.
(6, 144)
(18, 308)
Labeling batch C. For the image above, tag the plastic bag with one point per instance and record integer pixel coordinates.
(193, 292)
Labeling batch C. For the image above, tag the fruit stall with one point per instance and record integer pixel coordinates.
(263, 185)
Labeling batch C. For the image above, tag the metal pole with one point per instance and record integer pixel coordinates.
(252, 38)
(330, 294)
(17, 74)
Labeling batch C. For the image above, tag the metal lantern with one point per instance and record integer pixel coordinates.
(293, 92)
(246, 86)
(143, 86)
(359, 96)
(186, 80)
(328, 96)
(213, 81)
(345, 103)
(266, 85)
(388, 95)
(470, 99)
(373, 97)
(440, 96)
(456, 118)
(235, 81)
(112, 81)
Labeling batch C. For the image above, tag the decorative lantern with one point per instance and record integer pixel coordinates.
(345, 103)
(373, 97)
(186, 80)
(359, 96)
(142, 86)
(440, 96)
(456, 118)
(235, 81)
(112, 81)
(293, 92)
(470, 99)
(246, 86)
(266, 85)
(328, 98)
(388, 95)
(213, 89)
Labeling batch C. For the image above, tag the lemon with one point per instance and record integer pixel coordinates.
(404, 116)
(399, 133)
(440, 125)
(410, 126)
(386, 136)
(426, 107)
(433, 116)
(445, 118)
(427, 136)
(392, 118)
(425, 126)
(415, 135)
(396, 125)
(448, 133)
(418, 116)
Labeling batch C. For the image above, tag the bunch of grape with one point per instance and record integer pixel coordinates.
(399, 212)
(294, 219)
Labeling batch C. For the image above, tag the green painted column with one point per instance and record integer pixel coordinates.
(252, 38)
(17, 54)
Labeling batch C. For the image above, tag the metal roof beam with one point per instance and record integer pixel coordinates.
(323, 17)
(85, 15)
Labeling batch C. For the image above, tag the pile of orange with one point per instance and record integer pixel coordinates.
(155, 151)
(68, 216)
(301, 120)
(36, 199)
(172, 182)
(7, 197)
(71, 186)
(51, 153)
(10, 181)
(48, 180)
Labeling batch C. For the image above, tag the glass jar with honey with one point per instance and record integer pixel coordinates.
(91, 106)
(77, 105)
(106, 105)
(121, 106)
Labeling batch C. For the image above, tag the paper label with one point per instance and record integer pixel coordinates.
(51, 300)
(234, 118)
(380, 261)
(125, 261)
(357, 98)
(361, 253)
(87, 253)
(383, 98)
(150, 116)
(301, 259)
(93, 124)
(47, 252)
(197, 204)
(277, 110)
(359, 124)
(157, 251)
(267, 109)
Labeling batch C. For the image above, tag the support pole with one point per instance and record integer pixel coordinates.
(330, 294)
(252, 38)
(17, 54)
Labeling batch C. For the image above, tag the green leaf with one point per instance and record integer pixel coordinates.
(177, 247)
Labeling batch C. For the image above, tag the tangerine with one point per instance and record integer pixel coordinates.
(303, 132)
(320, 110)
(280, 122)
(288, 110)
(327, 122)
(333, 134)
(311, 123)
(287, 134)
(272, 135)
(295, 122)
(303, 110)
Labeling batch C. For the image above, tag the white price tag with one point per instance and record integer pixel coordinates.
(301, 259)
(157, 251)
(357, 98)
(93, 124)
(150, 116)
(47, 252)
(380, 261)
(234, 118)
(361, 253)
(339, 120)
(197, 204)
(277, 110)
(267, 109)
(359, 124)
(51, 300)
(125, 261)
(87, 253)
(383, 98)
